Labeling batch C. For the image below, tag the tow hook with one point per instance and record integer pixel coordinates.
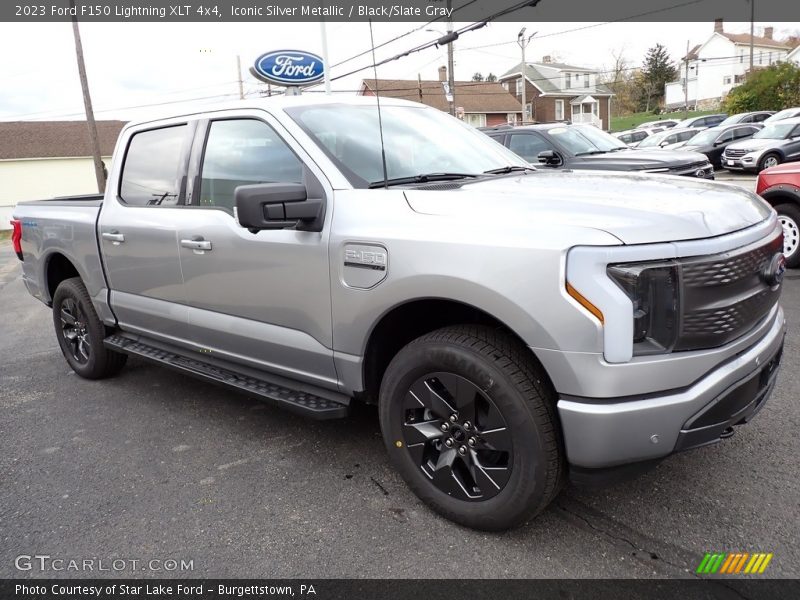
(727, 433)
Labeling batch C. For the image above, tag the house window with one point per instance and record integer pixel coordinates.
(511, 118)
(567, 81)
(505, 86)
(586, 80)
(559, 110)
(476, 119)
(741, 56)
(519, 86)
(738, 78)
(760, 58)
(770, 58)
(727, 80)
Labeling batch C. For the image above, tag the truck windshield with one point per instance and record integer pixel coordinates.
(775, 131)
(418, 141)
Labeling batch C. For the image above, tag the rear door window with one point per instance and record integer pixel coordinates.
(154, 167)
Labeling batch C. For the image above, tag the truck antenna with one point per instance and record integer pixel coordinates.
(378, 97)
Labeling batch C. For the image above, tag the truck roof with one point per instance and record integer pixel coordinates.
(274, 103)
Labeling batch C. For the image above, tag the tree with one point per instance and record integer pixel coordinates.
(772, 88)
(491, 77)
(620, 78)
(477, 77)
(657, 70)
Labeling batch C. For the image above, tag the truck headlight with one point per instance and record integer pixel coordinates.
(654, 291)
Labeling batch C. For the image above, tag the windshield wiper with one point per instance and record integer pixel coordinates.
(590, 152)
(509, 169)
(617, 149)
(421, 178)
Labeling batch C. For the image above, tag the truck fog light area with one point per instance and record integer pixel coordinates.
(654, 291)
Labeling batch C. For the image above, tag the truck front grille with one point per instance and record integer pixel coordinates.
(734, 153)
(726, 295)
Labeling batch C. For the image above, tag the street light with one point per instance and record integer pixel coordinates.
(448, 38)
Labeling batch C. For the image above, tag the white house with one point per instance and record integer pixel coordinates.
(42, 159)
(719, 64)
(794, 56)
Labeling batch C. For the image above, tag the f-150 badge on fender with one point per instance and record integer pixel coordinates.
(364, 265)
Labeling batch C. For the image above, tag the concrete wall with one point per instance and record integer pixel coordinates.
(34, 179)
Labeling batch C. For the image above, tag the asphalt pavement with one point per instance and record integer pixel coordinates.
(156, 466)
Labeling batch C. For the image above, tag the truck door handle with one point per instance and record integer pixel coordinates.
(114, 236)
(198, 244)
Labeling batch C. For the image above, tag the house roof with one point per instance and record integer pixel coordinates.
(744, 38)
(547, 85)
(474, 96)
(51, 139)
(692, 53)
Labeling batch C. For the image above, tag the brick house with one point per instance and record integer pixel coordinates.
(560, 92)
(479, 103)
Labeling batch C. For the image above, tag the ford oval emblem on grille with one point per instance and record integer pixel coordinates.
(773, 272)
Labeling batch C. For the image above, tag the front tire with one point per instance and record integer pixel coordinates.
(80, 332)
(768, 160)
(469, 421)
(789, 217)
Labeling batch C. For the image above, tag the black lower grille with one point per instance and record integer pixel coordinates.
(726, 295)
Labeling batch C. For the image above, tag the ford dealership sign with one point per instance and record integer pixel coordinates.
(289, 67)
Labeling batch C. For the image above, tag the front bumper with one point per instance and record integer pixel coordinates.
(607, 432)
(748, 162)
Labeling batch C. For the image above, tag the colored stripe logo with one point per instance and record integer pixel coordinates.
(734, 563)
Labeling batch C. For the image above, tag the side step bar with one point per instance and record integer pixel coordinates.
(297, 401)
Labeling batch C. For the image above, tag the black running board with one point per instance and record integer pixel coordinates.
(297, 401)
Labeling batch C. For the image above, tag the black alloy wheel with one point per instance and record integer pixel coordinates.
(457, 436)
(74, 331)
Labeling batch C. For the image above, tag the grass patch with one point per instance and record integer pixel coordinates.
(634, 120)
(5, 235)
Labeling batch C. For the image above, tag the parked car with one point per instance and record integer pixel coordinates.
(513, 325)
(587, 147)
(780, 186)
(668, 139)
(713, 141)
(748, 117)
(776, 143)
(663, 124)
(787, 113)
(632, 137)
(702, 122)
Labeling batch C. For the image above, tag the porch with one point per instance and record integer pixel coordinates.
(586, 109)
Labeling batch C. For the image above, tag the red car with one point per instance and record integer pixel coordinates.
(780, 186)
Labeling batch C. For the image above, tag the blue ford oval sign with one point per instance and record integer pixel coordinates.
(290, 67)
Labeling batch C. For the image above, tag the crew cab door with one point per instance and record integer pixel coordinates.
(262, 299)
(137, 231)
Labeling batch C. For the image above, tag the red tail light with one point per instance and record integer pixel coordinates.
(16, 237)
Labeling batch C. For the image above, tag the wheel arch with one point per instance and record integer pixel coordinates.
(411, 319)
(781, 194)
(57, 268)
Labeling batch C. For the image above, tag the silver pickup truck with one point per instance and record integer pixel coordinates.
(515, 327)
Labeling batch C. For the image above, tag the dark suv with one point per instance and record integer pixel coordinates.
(587, 147)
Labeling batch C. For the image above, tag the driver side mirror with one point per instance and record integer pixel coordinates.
(662, 144)
(277, 206)
(549, 157)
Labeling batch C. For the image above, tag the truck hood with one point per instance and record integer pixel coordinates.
(635, 208)
(635, 159)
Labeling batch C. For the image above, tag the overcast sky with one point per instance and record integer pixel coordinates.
(135, 64)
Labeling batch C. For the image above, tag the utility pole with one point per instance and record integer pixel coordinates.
(686, 83)
(87, 104)
(239, 76)
(419, 86)
(451, 80)
(523, 43)
(752, 18)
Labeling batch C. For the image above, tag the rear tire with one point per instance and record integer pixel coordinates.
(789, 217)
(768, 160)
(80, 332)
(469, 421)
